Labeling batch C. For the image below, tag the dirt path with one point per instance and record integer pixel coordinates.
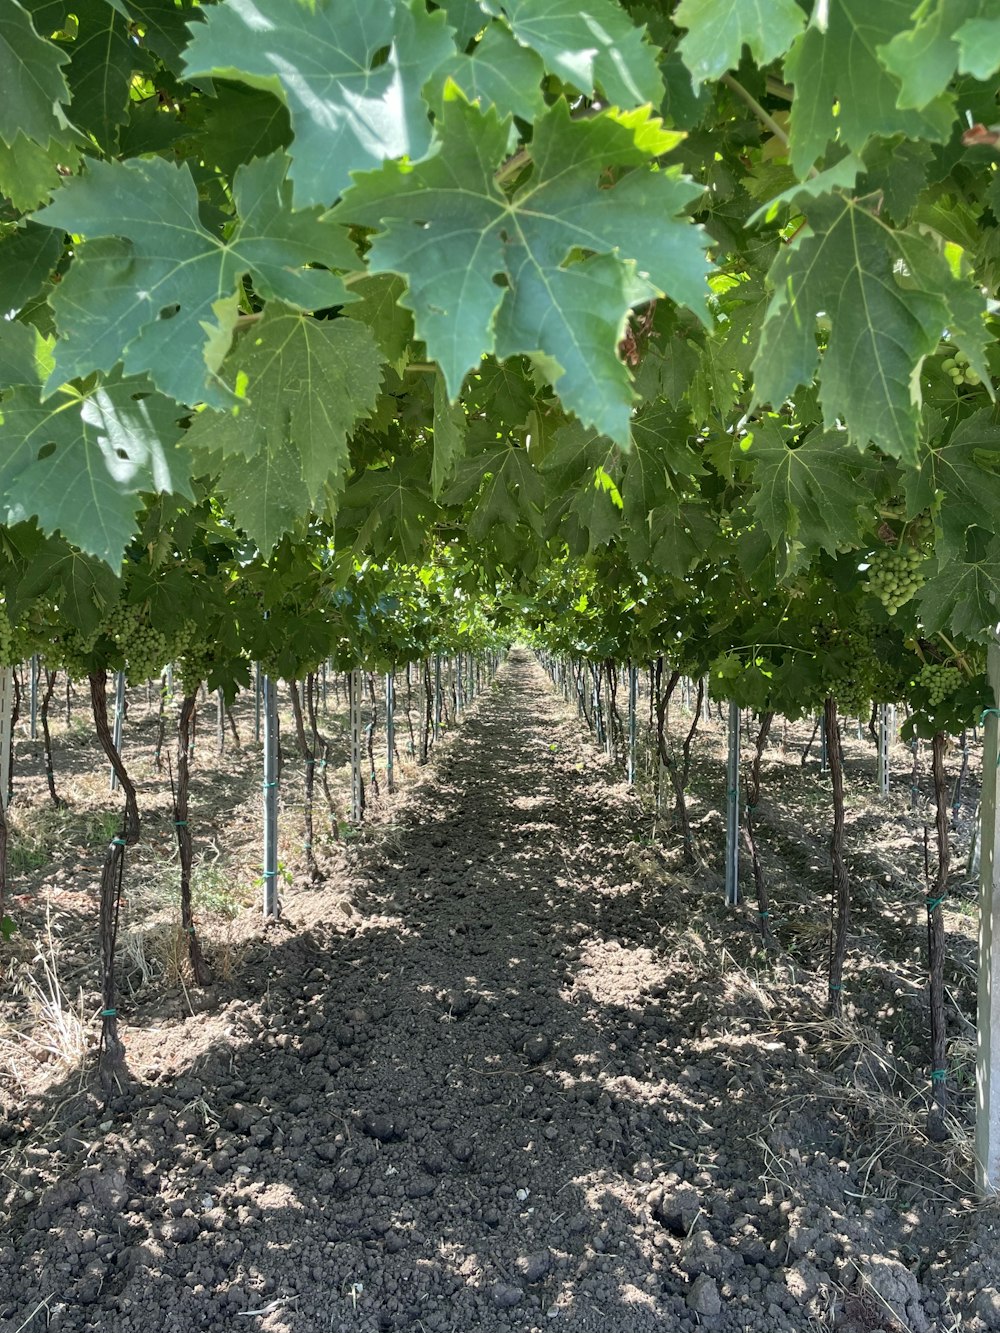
(507, 1082)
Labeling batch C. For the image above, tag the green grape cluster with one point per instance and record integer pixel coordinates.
(7, 644)
(894, 575)
(939, 682)
(192, 659)
(853, 686)
(144, 648)
(72, 652)
(958, 369)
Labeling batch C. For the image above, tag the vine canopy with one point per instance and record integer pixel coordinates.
(686, 282)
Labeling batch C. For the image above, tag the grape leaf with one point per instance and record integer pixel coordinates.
(241, 123)
(100, 72)
(679, 536)
(79, 464)
(27, 259)
(593, 515)
(505, 485)
(840, 175)
(31, 172)
(389, 509)
(497, 73)
(591, 44)
(449, 437)
(18, 359)
(898, 170)
(377, 304)
(82, 586)
(449, 230)
(964, 469)
(888, 295)
(719, 29)
(842, 89)
(979, 47)
(32, 79)
(946, 35)
(154, 291)
(964, 595)
(302, 385)
(265, 494)
(813, 496)
(349, 110)
(164, 25)
(466, 17)
(582, 500)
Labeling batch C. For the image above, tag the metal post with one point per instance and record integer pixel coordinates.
(34, 697)
(458, 686)
(733, 808)
(220, 720)
(706, 716)
(256, 702)
(322, 695)
(988, 1027)
(390, 730)
(883, 749)
(119, 720)
(824, 760)
(357, 789)
(267, 689)
(6, 716)
(437, 696)
(633, 694)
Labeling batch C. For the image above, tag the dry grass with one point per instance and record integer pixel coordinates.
(54, 1031)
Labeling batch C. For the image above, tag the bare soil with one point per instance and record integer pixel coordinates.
(513, 1066)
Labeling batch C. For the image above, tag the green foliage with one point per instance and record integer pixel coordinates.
(450, 230)
(661, 319)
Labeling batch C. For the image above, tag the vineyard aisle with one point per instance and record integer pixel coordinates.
(521, 1084)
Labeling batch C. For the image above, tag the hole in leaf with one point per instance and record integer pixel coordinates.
(168, 311)
(46, 451)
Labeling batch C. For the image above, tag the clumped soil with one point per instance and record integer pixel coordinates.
(512, 1067)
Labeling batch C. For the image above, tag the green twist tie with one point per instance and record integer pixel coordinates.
(267, 785)
(836, 985)
(322, 763)
(118, 842)
(307, 846)
(939, 1075)
(310, 763)
(932, 903)
(188, 930)
(732, 793)
(180, 823)
(765, 912)
(109, 1013)
(269, 874)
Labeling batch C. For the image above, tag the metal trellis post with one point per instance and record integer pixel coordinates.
(883, 749)
(6, 718)
(988, 1025)
(119, 721)
(390, 730)
(269, 709)
(34, 696)
(357, 789)
(733, 808)
(633, 693)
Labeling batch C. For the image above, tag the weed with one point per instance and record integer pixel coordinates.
(57, 1031)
